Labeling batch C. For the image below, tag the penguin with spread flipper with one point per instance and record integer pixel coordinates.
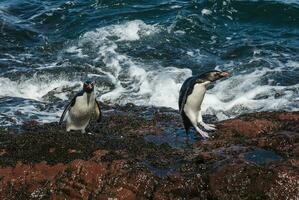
(191, 96)
(82, 108)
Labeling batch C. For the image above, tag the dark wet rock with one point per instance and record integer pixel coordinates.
(183, 187)
(143, 153)
(261, 156)
(239, 180)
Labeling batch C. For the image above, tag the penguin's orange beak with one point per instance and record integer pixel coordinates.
(224, 74)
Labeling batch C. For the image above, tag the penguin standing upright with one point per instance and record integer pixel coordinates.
(191, 96)
(81, 109)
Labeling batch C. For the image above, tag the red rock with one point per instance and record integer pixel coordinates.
(117, 166)
(286, 184)
(289, 116)
(125, 194)
(33, 176)
(258, 124)
(141, 183)
(294, 162)
(264, 142)
(239, 127)
(85, 178)
(90, 171)
(119, 193)
(80, 179)
(97, 155)
(211, 169)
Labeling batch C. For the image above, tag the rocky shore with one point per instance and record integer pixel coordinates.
(143, 153)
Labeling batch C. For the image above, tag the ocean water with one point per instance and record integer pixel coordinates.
(141, 52)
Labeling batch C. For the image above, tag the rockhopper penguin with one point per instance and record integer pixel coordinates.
(81, 109)
(191, 96)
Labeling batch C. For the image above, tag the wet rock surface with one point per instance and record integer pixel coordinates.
(143, 153)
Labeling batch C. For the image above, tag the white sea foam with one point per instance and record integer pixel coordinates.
(175, 6)
(153, 84)
(34, 88)
(245, 93)
(137, 81)
(134, 81)
(77, 52)
(25, 110)
(292, 64)
(30, 99)
(128, 31)
(206, 11)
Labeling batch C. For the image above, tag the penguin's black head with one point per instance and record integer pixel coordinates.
(214, 75)
(88, 86)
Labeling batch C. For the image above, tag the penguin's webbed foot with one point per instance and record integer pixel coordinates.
(204, 134)
(208, 127)
(212, 125)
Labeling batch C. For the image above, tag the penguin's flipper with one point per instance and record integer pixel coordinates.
(185, 91)
(98, 111)
(182, 101)
(66, 109)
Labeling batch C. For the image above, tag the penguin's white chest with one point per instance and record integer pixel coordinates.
(82, 106)
(81, 112)
(194, 100)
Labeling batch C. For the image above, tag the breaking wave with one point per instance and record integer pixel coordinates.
(143, 57)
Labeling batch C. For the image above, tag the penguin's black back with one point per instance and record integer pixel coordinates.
(185, 91)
